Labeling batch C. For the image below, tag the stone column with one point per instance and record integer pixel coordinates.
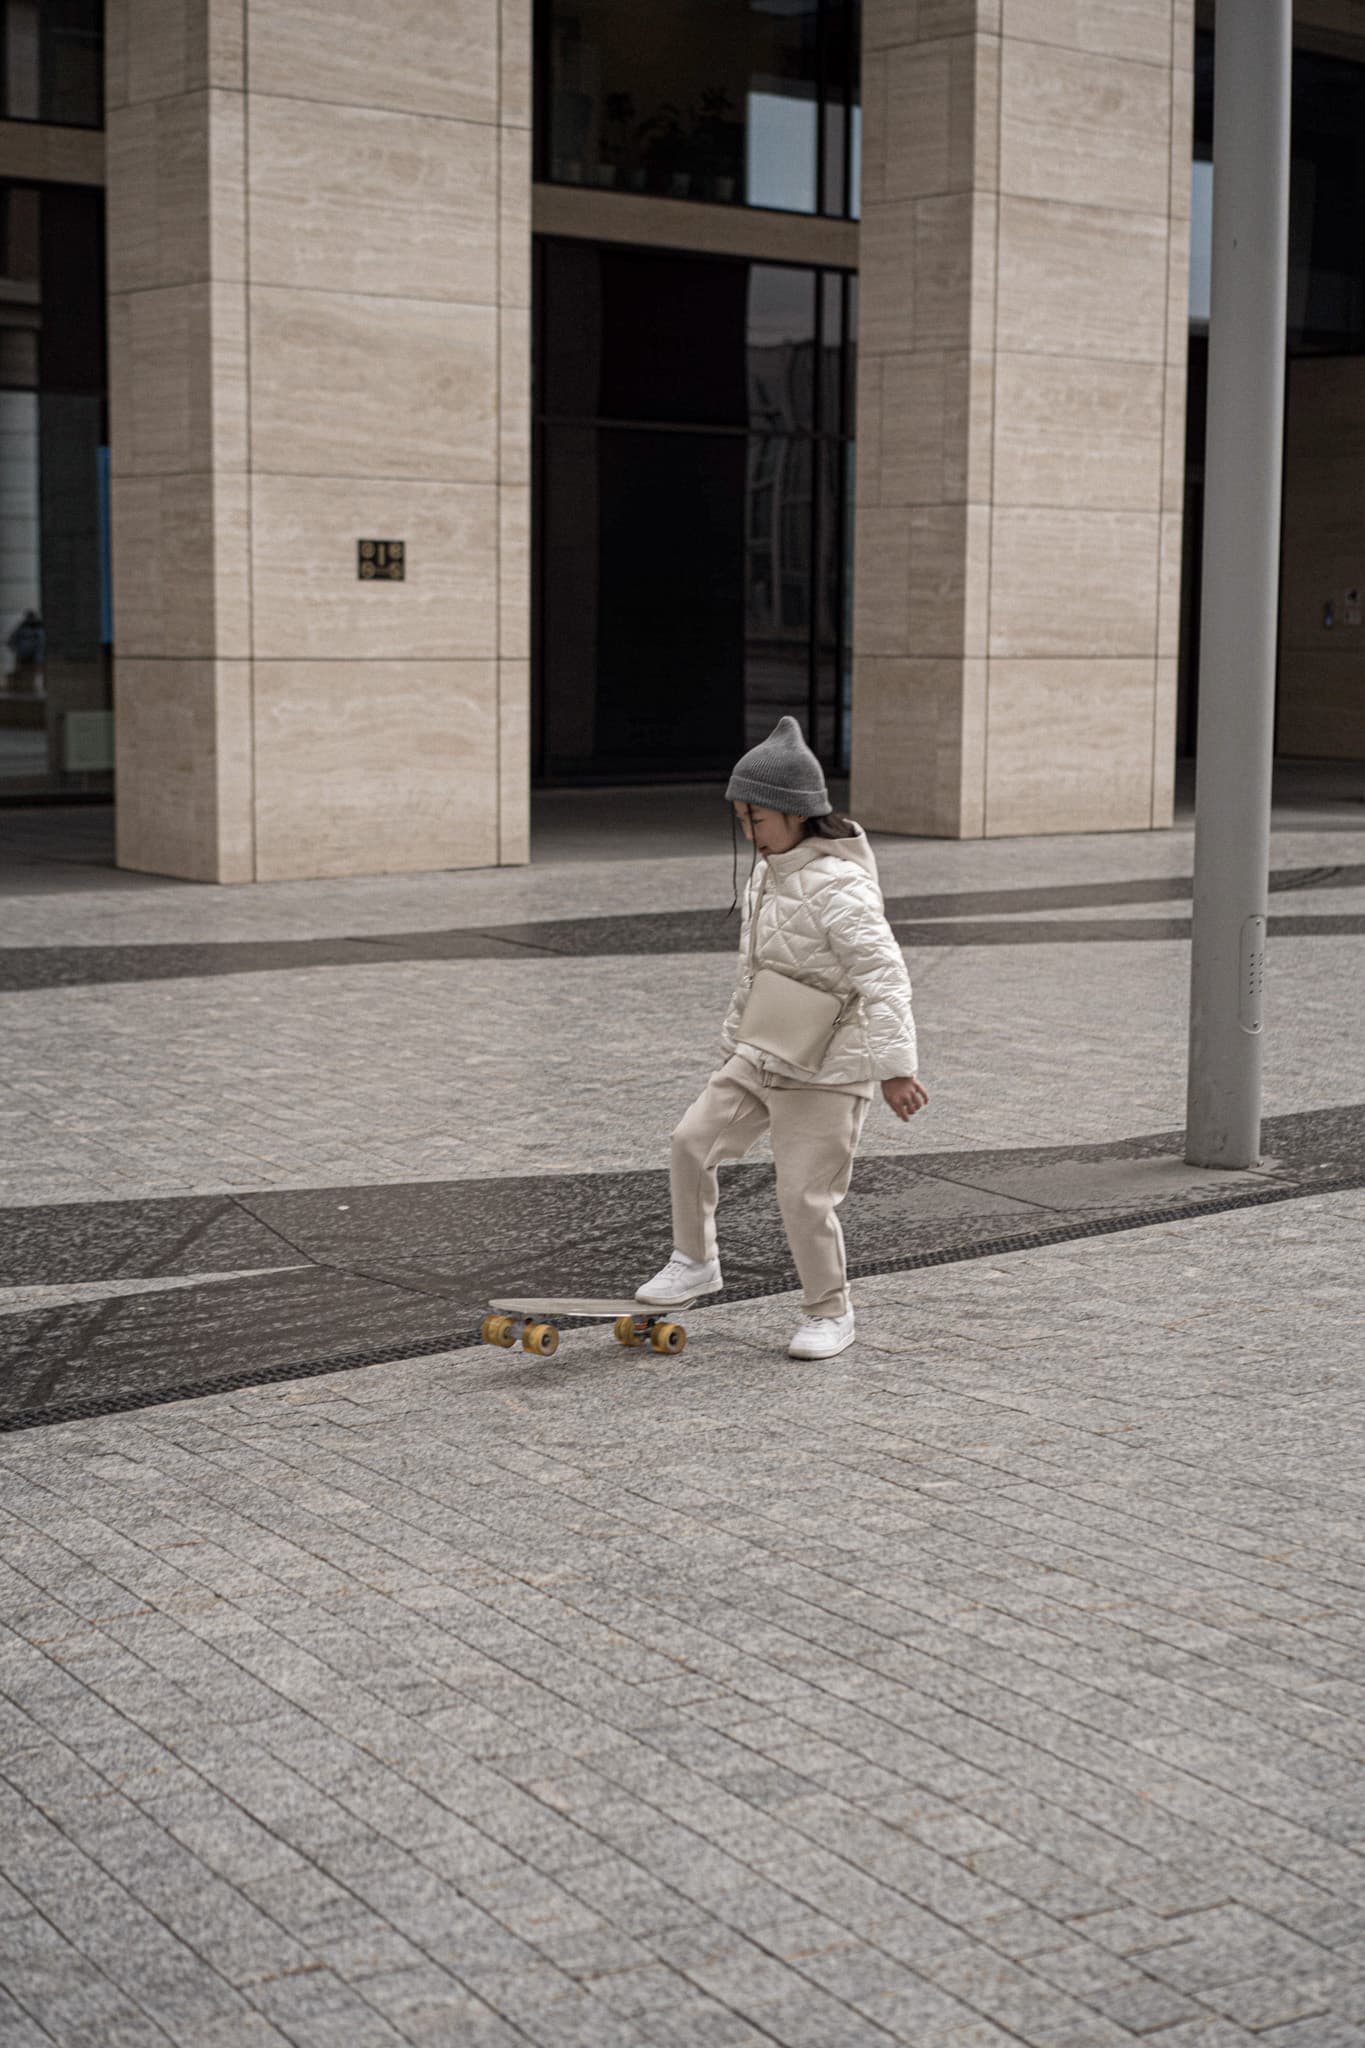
(1023, 315)
(319, 275)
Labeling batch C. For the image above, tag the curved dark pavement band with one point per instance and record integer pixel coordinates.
(981, 917)
(111, 1306)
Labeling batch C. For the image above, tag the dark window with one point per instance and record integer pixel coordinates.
(1203, 95)
(1326, 296)
(1327, 206)
(55, 719)
(1325, 311)
(692, 479)
(737, 102)
(643, 560)
(52, 62)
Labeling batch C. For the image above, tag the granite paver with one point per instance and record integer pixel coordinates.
(418, 1070)
(1001, 1681)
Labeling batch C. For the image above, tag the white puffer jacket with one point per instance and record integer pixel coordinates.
(821, 920)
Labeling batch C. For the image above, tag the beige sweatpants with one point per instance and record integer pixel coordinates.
(815, 1133)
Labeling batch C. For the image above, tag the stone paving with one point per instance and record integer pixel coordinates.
(417, 1070)
(1000, 1682)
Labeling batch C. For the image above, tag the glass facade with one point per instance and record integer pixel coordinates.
(735, 102)
(1325, 311)
(52, 62)
(1327, 207)
(693, 444)
(56, 728)
(1326, 295)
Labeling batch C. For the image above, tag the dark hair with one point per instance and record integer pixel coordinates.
(832, 826)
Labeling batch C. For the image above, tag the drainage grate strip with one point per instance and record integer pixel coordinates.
(945, 1255)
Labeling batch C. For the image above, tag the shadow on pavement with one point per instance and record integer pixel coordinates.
(116, 1305)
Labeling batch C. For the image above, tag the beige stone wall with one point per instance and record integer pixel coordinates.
(1023, 316)
(1322, 669)
(30, 150)
(319, 249)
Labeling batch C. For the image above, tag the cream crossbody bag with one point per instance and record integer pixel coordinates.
(785, 1017)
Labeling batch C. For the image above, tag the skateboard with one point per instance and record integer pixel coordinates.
(637, 1322)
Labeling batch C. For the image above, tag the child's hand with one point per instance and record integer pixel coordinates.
(904, 1095)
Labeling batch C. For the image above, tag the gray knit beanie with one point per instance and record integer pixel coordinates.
(782, 774)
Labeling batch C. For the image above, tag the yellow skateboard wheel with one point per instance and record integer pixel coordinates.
(668, 1336)
(542, 1338)
(626, 1332)
(498, 1330)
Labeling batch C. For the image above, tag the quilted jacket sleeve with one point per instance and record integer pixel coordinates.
(729, 1036)
(865, 946)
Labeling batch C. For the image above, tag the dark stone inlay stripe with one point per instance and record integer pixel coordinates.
(1085, 895)
(959, 919)
(25, 969)
(31, 967)
(1095, 930)
(114, 1403)
(399, 1271)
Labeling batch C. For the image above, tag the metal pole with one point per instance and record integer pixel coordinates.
(1241, 579)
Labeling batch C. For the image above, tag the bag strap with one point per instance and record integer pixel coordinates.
(849, 1000)
(753, 919)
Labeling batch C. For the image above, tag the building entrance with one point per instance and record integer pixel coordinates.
(693, 466)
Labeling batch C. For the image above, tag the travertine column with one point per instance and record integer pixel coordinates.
(1023, 315)
(319, 243)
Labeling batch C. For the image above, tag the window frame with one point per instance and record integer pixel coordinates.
(845, 15)
(42, 119)
(832, 443)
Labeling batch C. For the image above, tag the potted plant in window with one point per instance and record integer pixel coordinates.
(717, 143)
(615, 148)
(667, 152)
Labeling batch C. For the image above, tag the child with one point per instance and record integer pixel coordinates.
(819, 921)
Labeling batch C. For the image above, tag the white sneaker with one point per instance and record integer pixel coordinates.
(680, 1280)
(822, 1336)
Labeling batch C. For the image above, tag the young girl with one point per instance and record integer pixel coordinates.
(819, 921)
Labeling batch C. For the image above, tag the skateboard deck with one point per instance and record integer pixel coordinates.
(637, 1322)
